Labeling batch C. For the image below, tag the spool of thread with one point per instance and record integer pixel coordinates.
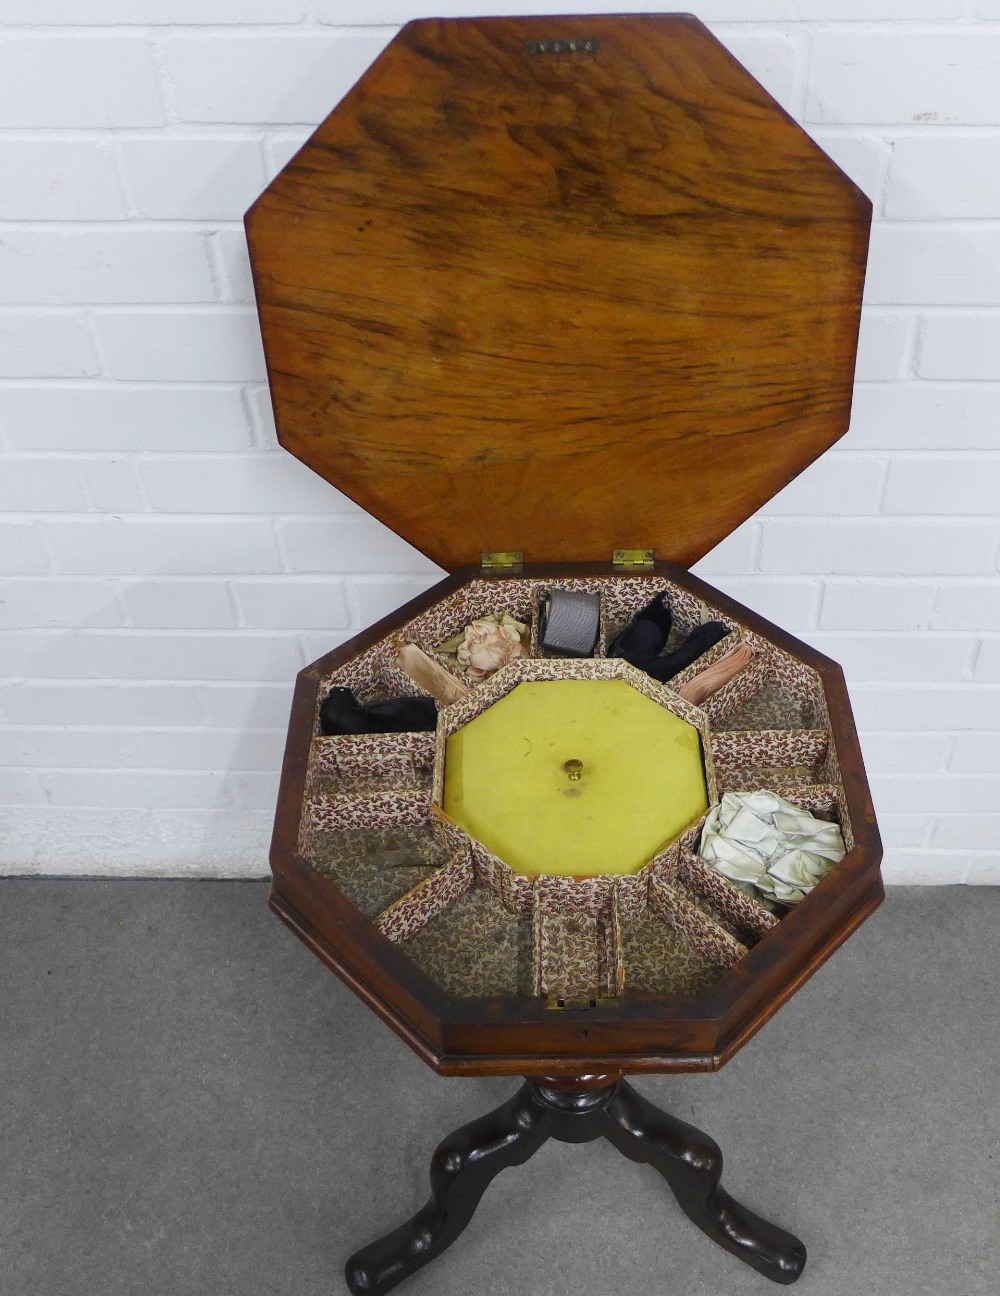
(570, 623)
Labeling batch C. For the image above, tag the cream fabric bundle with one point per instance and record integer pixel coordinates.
(761, 841)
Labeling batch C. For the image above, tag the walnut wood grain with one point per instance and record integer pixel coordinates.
(562, 302)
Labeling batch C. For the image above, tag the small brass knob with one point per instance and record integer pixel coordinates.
(574, 768)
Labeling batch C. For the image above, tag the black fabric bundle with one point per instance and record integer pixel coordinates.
(642, 641)
(342, 713)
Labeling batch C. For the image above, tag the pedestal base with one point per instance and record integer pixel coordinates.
(468, 1160)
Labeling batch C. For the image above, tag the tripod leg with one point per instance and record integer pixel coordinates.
(691, 1163)
(462, 1168)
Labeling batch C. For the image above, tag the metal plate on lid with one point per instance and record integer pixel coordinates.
(561, 285)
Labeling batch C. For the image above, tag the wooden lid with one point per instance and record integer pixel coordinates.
(559, 285)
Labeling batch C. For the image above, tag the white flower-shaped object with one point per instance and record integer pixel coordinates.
(487, 644)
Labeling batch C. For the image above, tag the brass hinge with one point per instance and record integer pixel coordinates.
(633, 559)
(501, 563)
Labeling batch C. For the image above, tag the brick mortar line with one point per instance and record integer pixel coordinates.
(18, 33)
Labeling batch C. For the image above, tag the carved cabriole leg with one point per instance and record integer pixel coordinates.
(575, 1111)
(691, 1163)
(462, 1168)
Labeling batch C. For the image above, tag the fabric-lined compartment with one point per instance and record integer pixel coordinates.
(370, 762)
(476, 947)
(658, 961)
(466, 936)
(791, 754)
(776, 691)
(538, 593)
(753, 680)
(622, 597)
(770, 710)
(745, 917)
(823, 800)
(699, 931)
(451, 616)
(378, 808)
(658, 954)
(573, 958)
(405, 916)
(372, 676)
(717, 651)
(373, 867)
(397, 772)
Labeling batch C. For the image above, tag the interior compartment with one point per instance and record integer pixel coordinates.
(659, 961)
(476, 947)
(451, 616)
(478, 929)
(574, 958)
(357, 763)
(373, 867)
(434, 893)
(584, 586)
(768, 755)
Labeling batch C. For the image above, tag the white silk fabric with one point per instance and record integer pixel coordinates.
(763, 843)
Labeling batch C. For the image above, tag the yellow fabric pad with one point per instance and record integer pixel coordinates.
(642, 781)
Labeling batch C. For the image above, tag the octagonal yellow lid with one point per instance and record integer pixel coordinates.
(635, 778)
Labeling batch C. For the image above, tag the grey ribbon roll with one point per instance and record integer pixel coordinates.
(570, 623)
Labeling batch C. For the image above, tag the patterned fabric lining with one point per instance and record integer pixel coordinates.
(708, 937)
(767, 747)
(574, 956)
(329, 755)
(373, 820)
(744, 916)
(370, 808)
(410, 912)
(476, 948)
(374, 867)
(658, 960)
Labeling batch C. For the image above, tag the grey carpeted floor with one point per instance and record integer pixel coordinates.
(192, 1104)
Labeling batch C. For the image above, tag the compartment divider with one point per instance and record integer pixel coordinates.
(695, 928)
(754, 748)
(407, 915)
(577, 953)
(738, 908)
(751, 680)
(537, 938)
(815, 797)
(616, 956)
(330, 751)
(381, 809)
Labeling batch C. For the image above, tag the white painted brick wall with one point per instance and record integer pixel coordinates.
(167, 570)
(958, 346)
